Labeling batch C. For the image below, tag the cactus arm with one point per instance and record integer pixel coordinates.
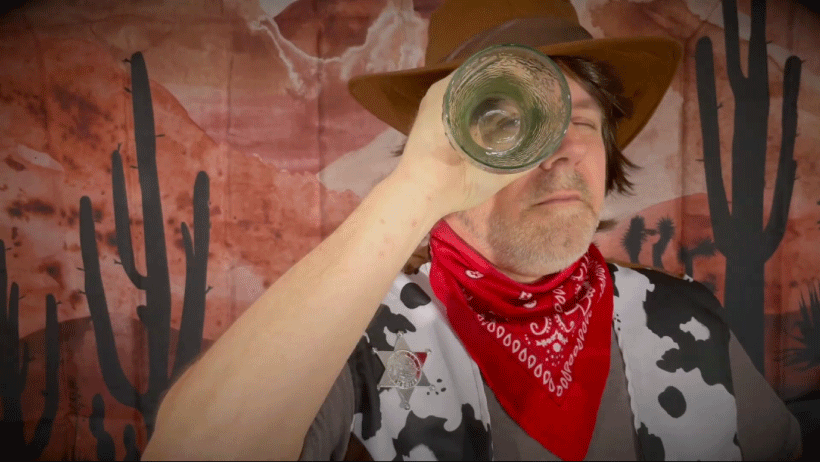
(4, 280)
(732, 43)
(129, 440)
(10, 384)
(787, 166)
(42, 433)
(757, 45)
(12, 359)
(23, 370)
(196, 257)
(96, 423)
(123, 221)
(112, 372)
(158, 283)
(7, 373)
(707, 97)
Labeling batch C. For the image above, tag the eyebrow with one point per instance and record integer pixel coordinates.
(585, 103)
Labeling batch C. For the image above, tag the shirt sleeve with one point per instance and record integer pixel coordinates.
(766, 429)
(328, 435)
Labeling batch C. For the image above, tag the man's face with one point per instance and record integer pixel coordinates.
(544, 221)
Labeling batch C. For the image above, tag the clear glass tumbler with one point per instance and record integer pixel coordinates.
(507, 108)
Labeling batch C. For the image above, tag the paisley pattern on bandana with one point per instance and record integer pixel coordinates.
(548, 346)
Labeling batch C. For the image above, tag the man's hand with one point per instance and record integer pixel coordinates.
(431, 162)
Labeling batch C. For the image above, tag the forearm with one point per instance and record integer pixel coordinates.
(254, 393)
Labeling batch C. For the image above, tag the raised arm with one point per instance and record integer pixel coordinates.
(255, 392)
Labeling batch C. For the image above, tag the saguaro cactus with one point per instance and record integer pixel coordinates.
(739, 233)
(13, 374)
(156, 313)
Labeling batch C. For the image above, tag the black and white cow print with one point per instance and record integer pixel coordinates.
(675, 347)
(448, 421)
(676, 359)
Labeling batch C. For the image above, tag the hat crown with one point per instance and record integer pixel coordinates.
(457, 21)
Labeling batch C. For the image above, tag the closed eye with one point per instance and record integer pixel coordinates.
(585, 123)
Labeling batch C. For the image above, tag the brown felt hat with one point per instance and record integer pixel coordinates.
(460, 28)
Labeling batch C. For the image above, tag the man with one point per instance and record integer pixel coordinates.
(517, 340)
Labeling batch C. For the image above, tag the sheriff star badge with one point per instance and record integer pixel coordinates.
(403, 370)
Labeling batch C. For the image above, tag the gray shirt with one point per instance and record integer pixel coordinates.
(766, 428)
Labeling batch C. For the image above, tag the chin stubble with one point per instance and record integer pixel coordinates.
(540, 242)
(543, 245)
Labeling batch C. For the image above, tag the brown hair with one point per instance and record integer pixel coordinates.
(605, 87)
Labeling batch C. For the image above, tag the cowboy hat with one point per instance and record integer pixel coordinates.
(460, 28)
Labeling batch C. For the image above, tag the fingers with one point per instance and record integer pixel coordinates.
(435, 94)
(431, 106)
(430, 158)
(427, 137)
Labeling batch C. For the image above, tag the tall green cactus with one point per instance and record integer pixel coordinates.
(739, 233)
(156, 313)
(13, 374)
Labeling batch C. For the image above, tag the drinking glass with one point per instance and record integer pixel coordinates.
(507, 108)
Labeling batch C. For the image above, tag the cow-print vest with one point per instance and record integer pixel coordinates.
(670, 332)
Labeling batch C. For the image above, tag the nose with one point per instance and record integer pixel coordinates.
(571, 150)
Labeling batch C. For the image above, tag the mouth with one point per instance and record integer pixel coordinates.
(561, 198)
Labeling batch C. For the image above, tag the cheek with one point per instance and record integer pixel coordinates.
(596, 177)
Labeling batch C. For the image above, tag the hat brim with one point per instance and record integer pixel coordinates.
(645, 65)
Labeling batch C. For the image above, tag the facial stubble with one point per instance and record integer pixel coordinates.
(544, 239)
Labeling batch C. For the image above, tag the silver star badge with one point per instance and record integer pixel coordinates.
(403, 370)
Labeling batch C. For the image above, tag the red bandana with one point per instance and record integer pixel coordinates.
(543, 348)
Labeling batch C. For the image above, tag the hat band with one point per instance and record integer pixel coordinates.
(533, 32)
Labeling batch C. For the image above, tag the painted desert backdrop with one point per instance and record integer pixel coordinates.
(164, 162)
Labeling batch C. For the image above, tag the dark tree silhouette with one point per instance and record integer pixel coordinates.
(737, 233)
(808, 327)
(634, 238)
(13, 374)
(666, 230)
(155, 315)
